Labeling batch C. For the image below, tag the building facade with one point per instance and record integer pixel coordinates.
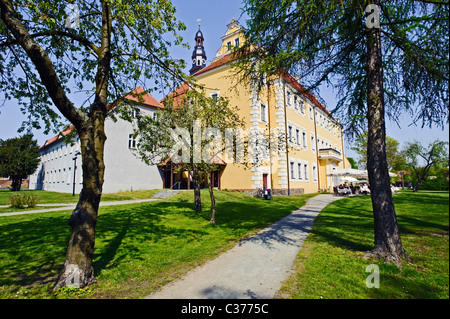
(314, 139)
(313, 146)
(60, 167)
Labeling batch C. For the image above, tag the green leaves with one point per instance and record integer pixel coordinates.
(325, 42)
(141, 35)
(19, 157)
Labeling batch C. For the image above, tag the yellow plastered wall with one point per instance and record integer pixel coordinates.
(316, 130)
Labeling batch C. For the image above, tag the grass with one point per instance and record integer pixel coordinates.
(330, 263)
(46, 197)
(139, 247)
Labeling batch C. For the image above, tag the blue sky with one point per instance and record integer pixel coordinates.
(215, 15)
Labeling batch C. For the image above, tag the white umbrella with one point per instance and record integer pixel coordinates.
(349, 179)
(346, 171)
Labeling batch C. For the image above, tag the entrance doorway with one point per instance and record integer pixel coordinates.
(265, 181)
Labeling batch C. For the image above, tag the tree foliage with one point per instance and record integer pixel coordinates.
(47, 59)
(393, 153)
(138, 53)
(190, 132)
(324, 42)
(19, 157)
(420, 159)
(398, 66)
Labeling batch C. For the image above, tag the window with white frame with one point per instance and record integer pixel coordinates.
(305, 170)
(135, 112)
(297, 136)
(299, 167)
(313, 144)
(288, 98)
(302, 106)
(290, 134)
(236, 42)
(295, 102)
(131, 142)
(305, 145)
(263, 111)
(310, 113)
(292, 170)
(314, 172)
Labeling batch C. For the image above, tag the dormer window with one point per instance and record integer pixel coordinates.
(228, 46)
(236, 42)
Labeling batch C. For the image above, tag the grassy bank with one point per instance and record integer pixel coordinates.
(330, 264)
(139, 247)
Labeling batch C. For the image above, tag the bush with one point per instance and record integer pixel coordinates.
(31, 200)
(440, 183)
(16, 201)
(19, 201)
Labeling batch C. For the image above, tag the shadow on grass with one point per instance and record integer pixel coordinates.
(338, 223)
(33, 248)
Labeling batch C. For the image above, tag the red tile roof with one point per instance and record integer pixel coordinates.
(285, 76)
(138, 95)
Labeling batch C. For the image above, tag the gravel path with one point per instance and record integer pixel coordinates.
(256, 267)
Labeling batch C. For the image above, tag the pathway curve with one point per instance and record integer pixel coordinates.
(256, 267)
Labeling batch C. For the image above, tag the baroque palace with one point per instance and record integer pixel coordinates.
(315, 144)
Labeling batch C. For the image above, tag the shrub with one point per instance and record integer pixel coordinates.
(19, 201)
(439, 183)
(31, 200)
(16, 201)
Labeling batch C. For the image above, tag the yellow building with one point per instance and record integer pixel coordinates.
(314, 140)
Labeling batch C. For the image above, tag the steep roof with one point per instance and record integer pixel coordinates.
(285, 76)
(138, 96)
(141, 97)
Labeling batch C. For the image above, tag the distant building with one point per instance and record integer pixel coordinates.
(123, 170)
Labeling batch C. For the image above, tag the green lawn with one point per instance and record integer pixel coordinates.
(139, 247)
(330, 264)
(46, 197)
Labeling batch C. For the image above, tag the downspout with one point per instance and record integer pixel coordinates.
(286, 140)
(270, 137)
(342, 142)
(317, 150)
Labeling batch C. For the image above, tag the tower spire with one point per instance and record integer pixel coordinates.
(198, 55)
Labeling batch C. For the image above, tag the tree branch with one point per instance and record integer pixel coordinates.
(70, 35)
(42, 63)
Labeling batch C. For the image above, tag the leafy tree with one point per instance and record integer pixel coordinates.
(399, 65)
(393, 154)
(352, 162)
(19, 157)
(102, 50)
(201, 122)
(434, 155)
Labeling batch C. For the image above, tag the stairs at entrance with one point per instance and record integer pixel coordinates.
(166, 193)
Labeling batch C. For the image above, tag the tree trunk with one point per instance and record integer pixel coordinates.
(388, 244)
(78, 270)
(16, 183)
(197, 194)
(213, 200)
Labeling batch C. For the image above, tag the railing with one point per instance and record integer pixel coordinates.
(330, 153)
(177, 183)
